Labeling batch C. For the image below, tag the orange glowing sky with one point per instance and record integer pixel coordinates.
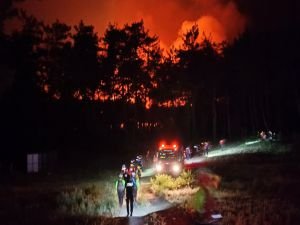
(166, 18)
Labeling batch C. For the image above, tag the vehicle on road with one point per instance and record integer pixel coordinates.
(168, 159)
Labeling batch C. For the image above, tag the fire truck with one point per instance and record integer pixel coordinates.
(168, 159)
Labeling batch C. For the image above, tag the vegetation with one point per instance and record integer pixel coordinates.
(91, 200)
(122, 86)
(181, 191)
(64, 89)
(267, 195)
(162, 182)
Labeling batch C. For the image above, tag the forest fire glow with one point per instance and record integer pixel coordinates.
(169, 19)
(223, 23)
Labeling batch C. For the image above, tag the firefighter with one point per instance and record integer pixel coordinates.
(120, 186)
(130, 186)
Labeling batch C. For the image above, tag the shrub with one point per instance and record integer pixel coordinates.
(163, 182)
(186, 178)
(196, 201)
(180, 196)
(176, 190)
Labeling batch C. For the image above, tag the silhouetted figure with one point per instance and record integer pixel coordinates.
(130, 187)
(136, 187)
(222, 143)
(120, 186)
(206, 148)
(188, 152)
(263, 135)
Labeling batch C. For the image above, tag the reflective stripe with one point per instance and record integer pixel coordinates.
(129, 185)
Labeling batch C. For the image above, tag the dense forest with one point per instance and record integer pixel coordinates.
(65, 88)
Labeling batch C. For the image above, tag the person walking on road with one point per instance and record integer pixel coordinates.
(136, 187)
(130, 187)
(120, 186)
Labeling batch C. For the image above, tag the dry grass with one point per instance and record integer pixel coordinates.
(90, 200)
(259, 189)
(249, 189)
(248, 210)
(181, 195)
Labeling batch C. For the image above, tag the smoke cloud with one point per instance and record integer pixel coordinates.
(220, 22)
(219, 19)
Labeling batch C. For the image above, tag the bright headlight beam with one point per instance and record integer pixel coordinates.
(148, 172)
(252, 142)
(176, 168)
(159, 167)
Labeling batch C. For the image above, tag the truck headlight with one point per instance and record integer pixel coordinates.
(176, 168)
(159, 167)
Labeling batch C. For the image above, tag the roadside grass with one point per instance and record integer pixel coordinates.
(66, 196)
(260, 188)
(248, 210)
(79, 200)
(92, 200)
(164, 182)
(181, 191)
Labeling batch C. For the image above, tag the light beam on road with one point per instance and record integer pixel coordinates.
(145, 209)
(148, 172)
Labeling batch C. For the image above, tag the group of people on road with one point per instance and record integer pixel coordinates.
(199, 149)
(268, 136)
(128, 184)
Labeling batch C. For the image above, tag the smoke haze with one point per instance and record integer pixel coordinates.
(219, 19)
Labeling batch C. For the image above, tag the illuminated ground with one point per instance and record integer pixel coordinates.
(248, 147)
(143, 210)
(273, 182)
(152, 204)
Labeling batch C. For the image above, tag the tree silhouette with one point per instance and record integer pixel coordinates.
(7, 11)
(131, 57)
(200, 64)
(52, 73)
(25, 48)
(84, 64)
(232, 89)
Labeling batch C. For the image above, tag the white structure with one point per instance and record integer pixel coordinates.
(37, 162)
(33, 163)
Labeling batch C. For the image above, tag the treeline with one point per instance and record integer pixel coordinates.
(64, 84)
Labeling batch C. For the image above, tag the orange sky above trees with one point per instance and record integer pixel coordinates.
(169, 19)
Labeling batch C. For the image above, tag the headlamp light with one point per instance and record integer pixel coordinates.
(176, 168)
(159, 167)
